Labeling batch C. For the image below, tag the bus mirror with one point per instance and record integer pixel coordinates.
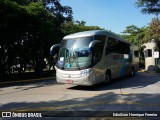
(93, 43)
(54, 49)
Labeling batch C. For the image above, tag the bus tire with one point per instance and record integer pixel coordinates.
(132, 72)
(107, 77)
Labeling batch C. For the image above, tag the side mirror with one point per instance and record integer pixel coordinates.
(91, 44)
(54, 49)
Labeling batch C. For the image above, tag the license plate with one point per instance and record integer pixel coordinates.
(69, 81)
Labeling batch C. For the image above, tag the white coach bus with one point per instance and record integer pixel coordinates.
(91, 57)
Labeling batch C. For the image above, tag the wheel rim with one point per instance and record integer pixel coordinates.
(107, 77)
(132, 72)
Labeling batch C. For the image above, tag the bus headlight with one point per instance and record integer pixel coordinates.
(85, 72)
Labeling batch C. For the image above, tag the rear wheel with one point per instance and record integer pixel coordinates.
(132, 72)
(107, 77)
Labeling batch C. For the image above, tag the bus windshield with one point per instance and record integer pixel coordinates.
(74, 53)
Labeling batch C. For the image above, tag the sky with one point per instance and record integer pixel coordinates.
(112, 15)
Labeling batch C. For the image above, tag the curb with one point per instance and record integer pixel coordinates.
(141, 70)
(149, 72)
(29, 80)
(154, 73)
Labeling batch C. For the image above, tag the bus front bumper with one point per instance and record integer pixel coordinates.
(70, 77)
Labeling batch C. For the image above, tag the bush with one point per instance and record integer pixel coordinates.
(158, 70)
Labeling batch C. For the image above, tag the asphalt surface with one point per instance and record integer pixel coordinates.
(139, 93)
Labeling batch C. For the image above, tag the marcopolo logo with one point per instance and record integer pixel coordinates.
(6, 114)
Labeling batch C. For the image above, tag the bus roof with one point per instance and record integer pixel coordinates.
(92, 33)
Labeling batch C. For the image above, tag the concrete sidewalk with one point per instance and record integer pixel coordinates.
(53, 78)
(27, 80)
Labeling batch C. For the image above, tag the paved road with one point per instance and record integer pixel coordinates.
(138, 93)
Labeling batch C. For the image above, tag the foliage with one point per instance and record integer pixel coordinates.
(134, 34)
(27, 32)
(138, 36)
(152, 31)
(149, 6)
(72, 27)
(28, 29)
(81, 23)
(34, 8)
(158, 70)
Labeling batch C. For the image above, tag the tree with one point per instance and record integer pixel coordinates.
(73, 27)
(60, 13)
(28, 30)
(152, 31)
(149, 6)
(133, 34)
(81, 23)
(131, 30)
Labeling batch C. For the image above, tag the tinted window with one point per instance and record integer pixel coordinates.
(115, 46)
(78, 42)
(127, 48)
(97, 53)
(111, 46)
(100, 37)
(123, 48)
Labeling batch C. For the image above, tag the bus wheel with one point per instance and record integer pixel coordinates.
(132, 72)
(107, 77)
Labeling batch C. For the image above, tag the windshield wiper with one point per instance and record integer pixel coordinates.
(71, 60)
(76, 59)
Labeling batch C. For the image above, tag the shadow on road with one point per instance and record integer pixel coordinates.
(137, 81)
(104, 102)
(29, 85)
(108, 101)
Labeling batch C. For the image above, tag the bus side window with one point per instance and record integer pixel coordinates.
(97, 53)
(101, 38)
(123, 48)
(111, 46)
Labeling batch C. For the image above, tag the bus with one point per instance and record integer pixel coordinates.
(91, 57)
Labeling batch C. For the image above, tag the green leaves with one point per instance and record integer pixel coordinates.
(142, 35)
(35, 8)
(77, 26)
(133, 34)
(152, 31)
(132, 29)
(149, 6)
(28, 30)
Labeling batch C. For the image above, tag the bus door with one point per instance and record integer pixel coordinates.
(97, 51)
